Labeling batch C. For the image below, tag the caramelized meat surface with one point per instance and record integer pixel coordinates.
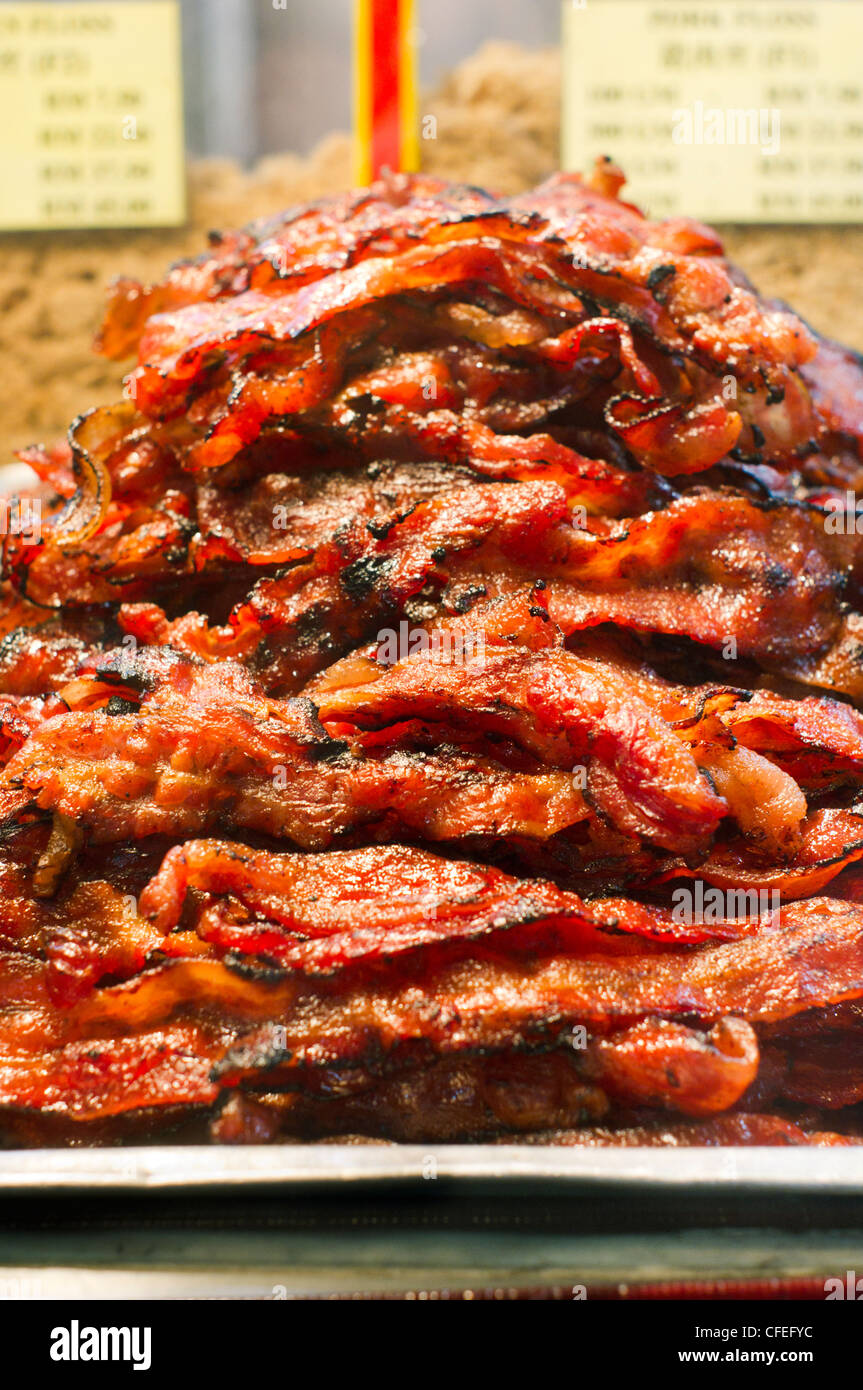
(429, 708)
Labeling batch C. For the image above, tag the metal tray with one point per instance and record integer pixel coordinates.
(332, 1167)
(311, 1221)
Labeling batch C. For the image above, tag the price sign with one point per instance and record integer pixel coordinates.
(725, 111)
(91, 115)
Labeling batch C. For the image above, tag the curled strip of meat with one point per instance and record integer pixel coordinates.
(265, 765)
(811, 956)
(766, 802)
(710, 566)
(557, 706)
(96, 1080)
(358, 906)
(671, 439)
(666, 1064)
(831, 839)
(92, 437)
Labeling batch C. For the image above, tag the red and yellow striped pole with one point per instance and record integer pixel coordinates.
(385, 102)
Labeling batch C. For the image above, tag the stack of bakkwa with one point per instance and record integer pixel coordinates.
(429, 710)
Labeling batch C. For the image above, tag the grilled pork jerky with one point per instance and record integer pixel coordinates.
(519, 529)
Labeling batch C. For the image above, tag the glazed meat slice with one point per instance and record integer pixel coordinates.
(89, 929)
(651, 1028)
(323, 913)
(506, 734)
(762, 582)
(478, 1098)
(325, 562)
(526, 258)
(303, 244)
(205, 747)
(809, 957)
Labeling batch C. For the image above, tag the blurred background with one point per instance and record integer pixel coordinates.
(260, 80)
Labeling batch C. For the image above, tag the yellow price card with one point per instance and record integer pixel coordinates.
(91, 115)
(732, 112)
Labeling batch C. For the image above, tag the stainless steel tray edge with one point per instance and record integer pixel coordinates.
(140, 1170)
